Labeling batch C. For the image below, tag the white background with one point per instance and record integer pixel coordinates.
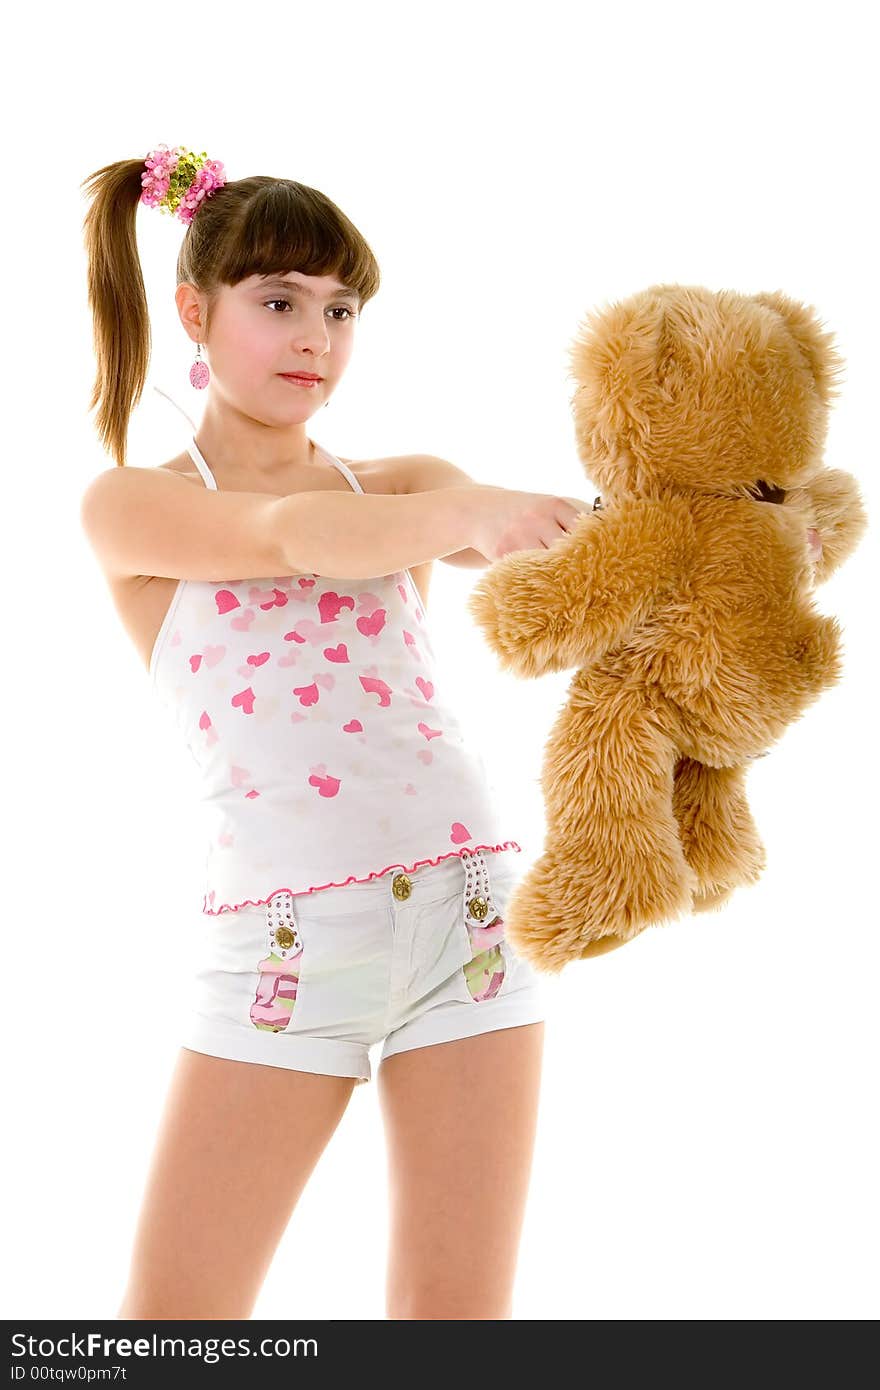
(707, 1138)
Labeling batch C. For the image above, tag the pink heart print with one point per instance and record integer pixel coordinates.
(278, 599)
(370, 615)
(330, 604)
(320, 778)
(226, 601)
(308, 694)
(266, 598)
(305, 631)
(244, 700)
(374, 686)
(373, 625)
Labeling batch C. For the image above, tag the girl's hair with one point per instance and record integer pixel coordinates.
(254, 226)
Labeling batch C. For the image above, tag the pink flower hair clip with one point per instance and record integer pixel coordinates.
(176, 180)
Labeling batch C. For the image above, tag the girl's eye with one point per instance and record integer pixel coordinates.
(344, 307)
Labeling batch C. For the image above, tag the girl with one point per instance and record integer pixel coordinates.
(357, 870)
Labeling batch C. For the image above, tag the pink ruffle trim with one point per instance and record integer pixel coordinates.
(401, 868)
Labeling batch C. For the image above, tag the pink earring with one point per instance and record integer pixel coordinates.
(199, 373)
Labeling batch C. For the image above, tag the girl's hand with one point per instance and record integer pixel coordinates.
(504, 519)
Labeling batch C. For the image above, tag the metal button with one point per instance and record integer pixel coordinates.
(401, 886)
(285, 937)
(478, 907)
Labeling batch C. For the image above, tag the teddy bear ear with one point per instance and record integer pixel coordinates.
(802, 321)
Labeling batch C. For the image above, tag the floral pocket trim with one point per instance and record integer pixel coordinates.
(484, 972)
(279, 971)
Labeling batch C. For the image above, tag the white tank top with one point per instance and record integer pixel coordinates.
(327, 750)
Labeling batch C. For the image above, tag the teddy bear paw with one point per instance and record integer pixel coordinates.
(509, 610)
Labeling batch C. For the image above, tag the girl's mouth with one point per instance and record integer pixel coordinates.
(308, 381)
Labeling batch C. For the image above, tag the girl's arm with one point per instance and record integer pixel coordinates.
(150, 521)
(426, 473)
(364, 534)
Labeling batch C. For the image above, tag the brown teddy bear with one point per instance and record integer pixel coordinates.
(684, 602)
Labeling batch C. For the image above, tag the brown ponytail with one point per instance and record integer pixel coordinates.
(252, 226)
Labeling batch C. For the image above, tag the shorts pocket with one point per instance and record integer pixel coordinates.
(280, 968)
(485, 972)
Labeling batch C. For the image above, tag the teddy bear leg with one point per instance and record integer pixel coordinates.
(718, 835)
(613, 862)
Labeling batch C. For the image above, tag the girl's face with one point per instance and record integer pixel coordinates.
(264, 327)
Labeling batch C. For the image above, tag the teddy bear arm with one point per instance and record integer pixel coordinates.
(519, 606)
(554, 609)
(838, 513)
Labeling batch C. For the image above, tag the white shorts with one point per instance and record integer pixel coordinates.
(312, 981)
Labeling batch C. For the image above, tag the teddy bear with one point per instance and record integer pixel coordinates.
(683, 603)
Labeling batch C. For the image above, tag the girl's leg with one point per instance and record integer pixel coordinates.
(460, 1119)
(237, 1144)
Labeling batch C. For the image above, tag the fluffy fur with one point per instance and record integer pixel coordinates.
(683, 603)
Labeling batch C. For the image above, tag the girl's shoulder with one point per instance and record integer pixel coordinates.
(391, 474)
